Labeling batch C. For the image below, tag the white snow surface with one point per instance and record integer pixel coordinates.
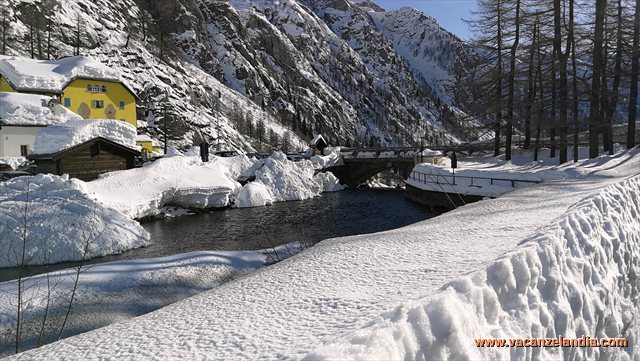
(253, 194)
(30, 109)
(58, 137)
(14, 162)
(491, 177)
(279, 180)
(52, 76)
(116, 291)
(183, 181)
(61, 221)
(549, 259)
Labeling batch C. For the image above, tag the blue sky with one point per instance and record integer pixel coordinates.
(447, 12)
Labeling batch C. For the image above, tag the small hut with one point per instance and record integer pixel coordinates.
(318, 144)
(84, 149)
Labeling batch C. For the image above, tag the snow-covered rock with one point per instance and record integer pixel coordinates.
(270, 61)
(58, 137)
(52, 219)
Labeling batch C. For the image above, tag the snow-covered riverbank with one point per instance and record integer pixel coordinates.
(99, 214)
(551, 258)
(488, 176)
(116, 291)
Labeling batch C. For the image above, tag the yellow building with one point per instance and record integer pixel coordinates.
(82, 85)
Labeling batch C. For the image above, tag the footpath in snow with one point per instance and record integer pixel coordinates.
(560, 258)
(488, 176)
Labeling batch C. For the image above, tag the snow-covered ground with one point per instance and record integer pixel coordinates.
(484, 175)
(560, 258)
(117, 291)
(52, 220)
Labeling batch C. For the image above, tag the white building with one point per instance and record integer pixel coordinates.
(22, 116)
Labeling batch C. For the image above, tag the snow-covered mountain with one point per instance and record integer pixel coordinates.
(260, 71)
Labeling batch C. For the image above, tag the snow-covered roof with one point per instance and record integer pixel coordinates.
(143, 138)
(52, 76)
(31, 110)
(316, 139)
(58, 137)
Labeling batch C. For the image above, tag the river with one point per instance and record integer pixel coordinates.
(331, 215)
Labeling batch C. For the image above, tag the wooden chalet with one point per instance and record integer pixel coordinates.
(86, 161)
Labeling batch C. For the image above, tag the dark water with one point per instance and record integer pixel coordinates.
(330, 215)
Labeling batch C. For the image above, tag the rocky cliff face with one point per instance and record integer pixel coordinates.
(263, 74)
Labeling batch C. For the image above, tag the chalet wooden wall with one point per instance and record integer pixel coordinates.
(83, 166)
(87, 161)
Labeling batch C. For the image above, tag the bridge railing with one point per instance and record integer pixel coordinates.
(474, 181)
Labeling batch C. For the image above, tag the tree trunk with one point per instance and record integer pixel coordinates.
(594, 111)
(512, 81)
(49, 42)
(498, 124)
(532, 89)
(541, 104)
(38, 36)
(635, 67)
(4, 31)
(33, 53)
(617, 73)
(574, 67)
(553, 112)
(562, 59)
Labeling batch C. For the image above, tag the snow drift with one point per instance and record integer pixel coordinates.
(56, 220)
(172, 181)
(577, 276)
(281, 180)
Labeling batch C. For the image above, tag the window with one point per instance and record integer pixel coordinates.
(96, 88)
(104, 88)
(24, 150)
(89, 88)
(67, 102)
(97, 104)
(121, 105)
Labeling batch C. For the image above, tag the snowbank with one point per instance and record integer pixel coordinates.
(253, 194)
(116, 291)
(60, 222)
(57, 137)
(278, 179)
(31, 109)
(577, 276)
(14, 162)
(171, 181)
